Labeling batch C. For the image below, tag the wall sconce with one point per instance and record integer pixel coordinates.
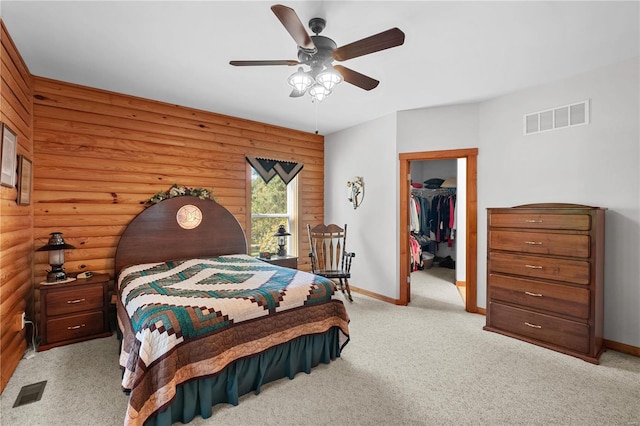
(282, 234)
(56, 247)
(355, 191)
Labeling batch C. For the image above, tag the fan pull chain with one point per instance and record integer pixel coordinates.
(316, 102)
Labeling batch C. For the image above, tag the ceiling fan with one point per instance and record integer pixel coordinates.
(318, 53)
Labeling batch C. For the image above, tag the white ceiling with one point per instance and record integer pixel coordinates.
(454, 52)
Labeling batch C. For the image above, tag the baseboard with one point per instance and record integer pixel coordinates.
(481, 311)
(375, 295)
(621, 347)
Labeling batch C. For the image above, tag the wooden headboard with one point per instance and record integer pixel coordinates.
(155, 235)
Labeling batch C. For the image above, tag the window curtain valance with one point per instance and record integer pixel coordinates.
(268, 168)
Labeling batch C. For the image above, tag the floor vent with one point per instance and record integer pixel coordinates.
(557, 118)
(30, 393)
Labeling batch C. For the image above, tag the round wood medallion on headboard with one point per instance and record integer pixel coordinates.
(189, 216)
(155, 235)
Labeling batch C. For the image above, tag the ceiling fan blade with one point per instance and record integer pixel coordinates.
(258, 63)
(296, 93)
(292, 24)
(355, 78)
(375, 43)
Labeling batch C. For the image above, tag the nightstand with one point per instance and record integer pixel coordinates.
(74, 311)
(286, 261)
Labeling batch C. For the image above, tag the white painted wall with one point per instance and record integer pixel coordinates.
(596, 164)
(423, 170)
(434, 129)
(367, 150)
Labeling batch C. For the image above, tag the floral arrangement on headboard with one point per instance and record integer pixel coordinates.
(180, 191)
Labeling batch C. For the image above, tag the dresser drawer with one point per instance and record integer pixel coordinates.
(558, 298)
(570, 245)
(74, 300)
(580, 222)
(573, 271)
(545, 328)
(75, 326)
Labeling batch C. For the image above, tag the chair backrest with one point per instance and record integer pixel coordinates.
(328, 245)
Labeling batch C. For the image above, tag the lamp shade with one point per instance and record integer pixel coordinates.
(329, 78)
(56, 242)
(300, 80)
(318, 92)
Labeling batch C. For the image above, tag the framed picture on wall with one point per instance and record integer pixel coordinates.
(8, 161)
(25, 174)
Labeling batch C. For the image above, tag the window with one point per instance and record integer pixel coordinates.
(272, 204)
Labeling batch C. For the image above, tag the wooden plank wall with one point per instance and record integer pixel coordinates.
(16, 222)
(99, 155)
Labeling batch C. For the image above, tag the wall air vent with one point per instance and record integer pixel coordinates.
(557, 118)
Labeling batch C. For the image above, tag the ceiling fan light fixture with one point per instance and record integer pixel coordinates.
(300, 80)
(318, 92)
(329, 78)
(318, 52)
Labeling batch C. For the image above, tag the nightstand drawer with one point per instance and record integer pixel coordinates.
(74, 300)
(539, 295)
(75, 326)
(569, 245)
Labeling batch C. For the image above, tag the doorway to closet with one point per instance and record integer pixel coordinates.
(460, 168)
(434, 231)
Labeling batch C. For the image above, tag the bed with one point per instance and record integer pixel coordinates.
(202, 323)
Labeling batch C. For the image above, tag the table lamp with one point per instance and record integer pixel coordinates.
(281, 235)
(56, 247)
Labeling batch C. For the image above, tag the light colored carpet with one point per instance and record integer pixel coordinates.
(429, 363)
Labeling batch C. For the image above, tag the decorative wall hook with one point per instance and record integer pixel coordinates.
(355, 191)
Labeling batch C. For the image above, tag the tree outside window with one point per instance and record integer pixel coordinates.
(272, 204)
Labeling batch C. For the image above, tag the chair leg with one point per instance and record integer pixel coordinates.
(346, 281)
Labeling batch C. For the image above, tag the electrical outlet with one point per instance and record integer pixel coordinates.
(24, 319)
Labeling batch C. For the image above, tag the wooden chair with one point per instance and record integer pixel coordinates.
(329, 257)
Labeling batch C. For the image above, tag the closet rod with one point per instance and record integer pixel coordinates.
(433, 191)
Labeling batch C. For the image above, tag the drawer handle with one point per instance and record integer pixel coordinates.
(75, 301)
(532, 325)
(533, 267)
(528, 293)
(533, 221)
(75, 327)
(534, 243)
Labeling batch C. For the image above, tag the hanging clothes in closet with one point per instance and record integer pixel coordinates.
(415, 212)
(433, 216)
(442, 218)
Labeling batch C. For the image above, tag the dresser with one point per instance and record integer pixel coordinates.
(545, 276)
(74, 311)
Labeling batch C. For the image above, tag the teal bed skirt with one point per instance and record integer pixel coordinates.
(198, 397)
